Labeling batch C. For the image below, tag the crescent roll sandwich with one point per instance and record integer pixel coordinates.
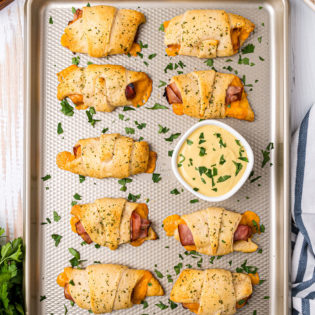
(214, 231)
(111, 222)
(102, 30)
(104, 87)
(104, 288)
(206, 33)
(110, 155)
(209, 94)
(212, 291)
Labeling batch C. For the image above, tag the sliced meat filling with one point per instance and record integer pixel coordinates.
(77, 150)
(81, 231)
(243, 232)
(173, 94)
(233, 93)
(77, 15)
(67, 293)
(130, 91)
(138, 226)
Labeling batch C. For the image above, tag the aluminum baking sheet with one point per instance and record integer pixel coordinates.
(266, 87)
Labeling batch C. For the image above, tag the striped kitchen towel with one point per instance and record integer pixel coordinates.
(303, 214)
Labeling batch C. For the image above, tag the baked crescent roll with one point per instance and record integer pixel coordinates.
(209, 94)
(111, 222)
(214, 231)
(110, 155)
(206, 33)
(104, 87)
(102, 30)
(104, 288)
(211, 291)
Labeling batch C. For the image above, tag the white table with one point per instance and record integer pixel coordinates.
(302, 29)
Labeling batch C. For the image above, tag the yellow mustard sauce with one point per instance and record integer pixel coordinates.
(212, 160)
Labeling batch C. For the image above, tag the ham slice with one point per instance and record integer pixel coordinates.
(81, 231)
(77, 15)
(242, 233)
(138, 226)
(173, 94)
(67, 293)
(77, 150)
(130, 91)
(233, 93)
(185, 236)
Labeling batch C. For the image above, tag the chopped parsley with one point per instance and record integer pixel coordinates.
(133, 198)
(238, 166)
(74, 10)
(140, 125)
(57, 217)
(177, 268)
(59, 129)
(152, 56)
(66, 108)
(81, 179)
(76, 60)
(163, 129)
(158, 274)
(46, 177)
(209, 62)
(172, 137)
(130, 131)
(156, 177)
(51, 20)
(189, 142)
(266, 154)
(172, 304)
(259, 39)
(222, 160)
(222, 179)
(161, 28)
(123, 182)
(162, 83)
(194, 201)
(248, 49)
(77, 196)
(175, 191)
(157, 106)
(161, 305)
(89, 113)
(127, 108)
(170, 153)
(104, 130)
(57, 238)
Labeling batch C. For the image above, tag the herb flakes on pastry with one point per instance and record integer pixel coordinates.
(111, 222)
(214, 231)
(102, 30)
(206, 33)
(110, 155)
(209, 94)
(104, 87)
(104, 288)
(212, 291)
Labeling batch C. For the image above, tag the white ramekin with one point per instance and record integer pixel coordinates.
(244, 143)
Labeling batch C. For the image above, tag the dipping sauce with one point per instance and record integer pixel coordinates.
(212, 160)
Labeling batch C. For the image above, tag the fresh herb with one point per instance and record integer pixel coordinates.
(211, 260)
(262, 228)
(75, 261)
(143, 45)
(121, 116)
(163, 129)
(199, 263)
(77, 196)
(248, 49)
(66, 108)
(152, 56)
(170, 153)
(127, 108)
(222, 179)
(261, 58)
(156, 177)
(266, 154)
(76, 60)
(162, 306)
(81, 179)
(123, 182)
(133, 198)
(74, 10)
(209, 62)
(140, 126)
(259, 251)
(140, 54)
(175, 191)
(172, 304)
(57, 217)
(42, 298)
(145, 304)
(130, 131)
(46, 177)
(57, 238)
(89, 63)
(261, 281)
(259, 39)
(238, 166)
(189, 142)
(51, 20)
(194, 201)
(168, 67)
(162, 83)
(158, 274)
(181, 161)
(177, 268)
(266, 297)
(221, 143)
(202, 151)
(247, 269)
(161, 28)
(222, 160)
(260, 7)
(104, 130)
(89, 113)
(59, 129)
(157, 106)
(169, 278)
(254, 179)
(243, 158)
(172, 137)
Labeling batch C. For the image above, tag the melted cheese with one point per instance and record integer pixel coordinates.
(248, 218)
(152, 162)
(134, 50)
(62, 279)
(140, 291)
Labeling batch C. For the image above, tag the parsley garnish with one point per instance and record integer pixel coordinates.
(266, 154)
(66, 108)
(261, 58)
(162, 306)
(163, 129)
(238, 166)
(81, 178)
(46, 177)
(156, 177)
(202, 151)
(57, 217)
(145, 304)
(177, 268)
(123, 182)
(157, 106)
(209, 62)
(248, 49)
(57, 238)
(194, 201)
(247, 269)
(172, 137)
(89, 113)
(222, 160)
(133, 198)
(140, 126)
(175, 191)
(74, 10)
(130, 131)
(259, 39)
(172, 304)
(51, 20)
(222, 179)
(77, 196)
(161, 28)
(104, 130)
(152, 56)
(170, 153)
(126, 108)
(59, 129)
(189, 142)
(76, 60)
(162, 83)
(158, 274)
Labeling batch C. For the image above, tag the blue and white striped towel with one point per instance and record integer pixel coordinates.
(303, 214)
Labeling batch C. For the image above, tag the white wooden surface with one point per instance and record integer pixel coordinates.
(302, 85)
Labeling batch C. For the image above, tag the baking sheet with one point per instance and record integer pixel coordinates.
(266, 89)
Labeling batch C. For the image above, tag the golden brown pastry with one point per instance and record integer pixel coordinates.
(104, 288)
(209, 94)
(104, 87)
(214, 231)
(206, 33)
(110, 155)
(211, 291)
(102, 30)
(111, 222)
